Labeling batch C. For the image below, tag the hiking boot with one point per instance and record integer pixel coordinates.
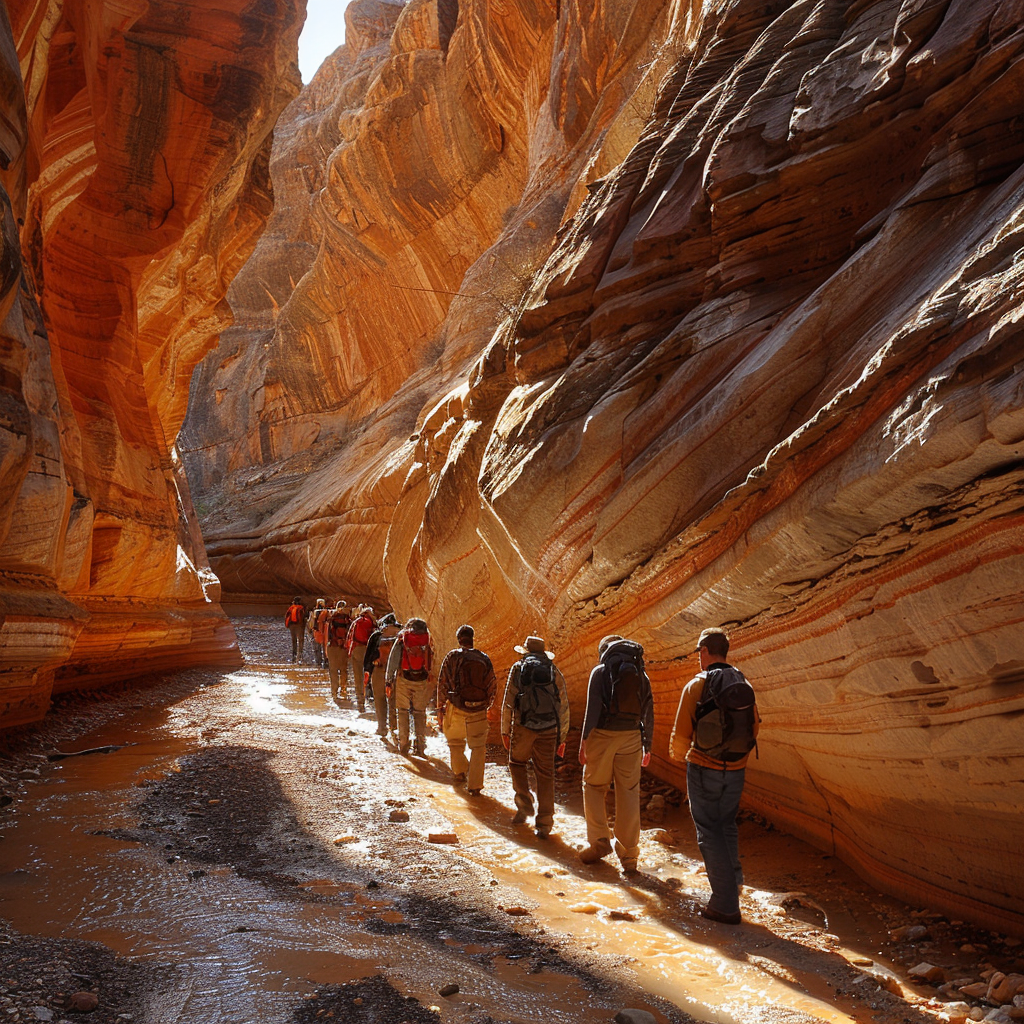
(460, 780)
(543, 831)
(520, 817)
(715, 915)
(596, 851)
(420, 750)
(629, 866)
(404, 748)
(474, 792)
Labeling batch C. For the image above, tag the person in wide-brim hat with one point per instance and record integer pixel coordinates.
(533, 645)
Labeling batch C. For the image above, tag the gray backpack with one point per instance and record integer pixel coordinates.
(538, 700)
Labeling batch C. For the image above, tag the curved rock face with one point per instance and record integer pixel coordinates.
(135, 144)
(632, 317)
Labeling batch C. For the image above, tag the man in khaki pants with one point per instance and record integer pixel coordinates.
(465, 690)
(335, 636)
(617, 731)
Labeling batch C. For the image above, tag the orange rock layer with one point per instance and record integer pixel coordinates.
(135, 142)
(610, 317)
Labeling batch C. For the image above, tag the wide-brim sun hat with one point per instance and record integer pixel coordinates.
(534, 645)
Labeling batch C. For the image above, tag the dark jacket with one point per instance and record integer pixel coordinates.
(599, 695)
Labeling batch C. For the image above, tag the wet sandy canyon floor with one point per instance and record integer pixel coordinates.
(234, 861)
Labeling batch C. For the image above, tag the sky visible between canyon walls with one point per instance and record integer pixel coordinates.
(322, 33)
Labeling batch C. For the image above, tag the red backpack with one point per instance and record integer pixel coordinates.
(361, 631)
(294, 615)
(417, 655)
(337, 629)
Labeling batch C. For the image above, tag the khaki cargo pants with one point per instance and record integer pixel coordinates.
(337, 666)
(410, 696)
(462, 729)
(613, 757)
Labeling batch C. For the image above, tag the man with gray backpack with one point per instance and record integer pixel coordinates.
(465, 690)
(534, 724)
(715, 730)
(618, 728)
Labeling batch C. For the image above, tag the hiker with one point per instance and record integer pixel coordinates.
(618, 728)
(318, 614)
(336, 650)
(359, 633)
(715, 729)
(295, 620)
(465, 690)
(534, 724)
(408, 675)
(378, 650)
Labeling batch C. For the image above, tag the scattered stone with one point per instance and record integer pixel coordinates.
(623, 915)
(655, 809)
(83, 1002)
(634, 1017)
(967, 948)
(927, 972)
(442, 837)
(886, 979)
(1002, 988)
(346, 838)
(997, 1016)
(861, 961)
(977, 990)
(448, 990)
(42, 1012)
(516, 911)
(586, 908)
(909, 933)
(663, 836)
(398, 815)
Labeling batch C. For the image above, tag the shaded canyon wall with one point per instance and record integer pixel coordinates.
(135, 145)
(637, 317)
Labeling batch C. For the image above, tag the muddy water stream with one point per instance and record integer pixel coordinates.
(88, 858)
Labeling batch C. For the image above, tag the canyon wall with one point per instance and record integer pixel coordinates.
(134, 164)
(583, 318)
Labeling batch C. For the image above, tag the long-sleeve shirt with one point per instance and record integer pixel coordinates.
(680, 747)
(508, 702)
(447, 678)
(599, 695)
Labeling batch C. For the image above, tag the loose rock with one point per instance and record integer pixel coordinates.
(83, 1002)
(634, 1017)
(448, 990)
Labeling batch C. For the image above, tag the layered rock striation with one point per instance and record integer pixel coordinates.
(135, 145)
(633, 317)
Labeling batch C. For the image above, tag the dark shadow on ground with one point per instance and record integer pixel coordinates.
(225, 805)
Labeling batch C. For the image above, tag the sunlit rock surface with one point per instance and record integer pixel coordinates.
(638, 317)
(135, 143)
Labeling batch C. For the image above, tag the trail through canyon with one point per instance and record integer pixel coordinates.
(239, 849)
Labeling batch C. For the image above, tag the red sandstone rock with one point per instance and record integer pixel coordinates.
(636, 323)
(135, 141)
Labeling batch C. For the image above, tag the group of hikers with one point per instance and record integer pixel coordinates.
(715, 727)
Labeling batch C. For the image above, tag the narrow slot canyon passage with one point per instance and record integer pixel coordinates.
(230, 847)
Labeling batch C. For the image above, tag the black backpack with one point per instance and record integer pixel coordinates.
(725, 718)
(469, 681)
(628, 687)
(538, 700)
